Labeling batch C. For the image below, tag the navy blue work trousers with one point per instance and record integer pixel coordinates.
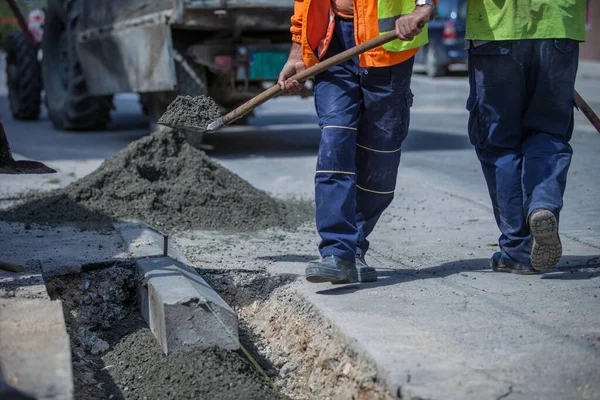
(363, 115)
(521, 108)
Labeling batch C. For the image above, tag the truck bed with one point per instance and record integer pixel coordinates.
(187, 14)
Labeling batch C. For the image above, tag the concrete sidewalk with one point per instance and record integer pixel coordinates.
(589, 69)
(439, 324)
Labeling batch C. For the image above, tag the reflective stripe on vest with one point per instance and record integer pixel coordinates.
(388, 11)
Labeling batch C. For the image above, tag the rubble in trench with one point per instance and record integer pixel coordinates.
(116, 356)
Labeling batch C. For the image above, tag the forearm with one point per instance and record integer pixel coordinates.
(295, 51)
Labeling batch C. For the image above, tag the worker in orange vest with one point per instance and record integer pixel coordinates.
(363, 107)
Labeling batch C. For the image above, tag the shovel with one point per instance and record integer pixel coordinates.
(587, 111)
(8, 165)
(276, 90)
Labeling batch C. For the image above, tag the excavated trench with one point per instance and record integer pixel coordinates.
(167, 183)
(115, 355)
(303, 353)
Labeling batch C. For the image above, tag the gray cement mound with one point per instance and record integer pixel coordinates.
(191, 111)
(142, 371)
(115, 355)
(165, 182)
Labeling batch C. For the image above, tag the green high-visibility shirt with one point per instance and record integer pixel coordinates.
(525, 19)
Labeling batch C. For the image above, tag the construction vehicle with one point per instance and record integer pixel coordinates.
(94, 49)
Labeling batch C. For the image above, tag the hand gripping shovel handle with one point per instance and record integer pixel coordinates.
(309, 73)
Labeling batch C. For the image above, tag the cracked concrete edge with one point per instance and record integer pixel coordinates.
(181, 309)
(394, 388)
(384, 379)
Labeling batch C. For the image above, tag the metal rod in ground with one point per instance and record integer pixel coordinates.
(165, 245)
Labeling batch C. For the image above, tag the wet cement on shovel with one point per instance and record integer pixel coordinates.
(191, 111)
(165, 182)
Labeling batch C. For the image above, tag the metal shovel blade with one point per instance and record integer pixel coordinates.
(185, 128)
(212, 127)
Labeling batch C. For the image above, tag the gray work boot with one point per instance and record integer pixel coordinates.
(498, 264)
(365, 273)
(332, 269)
(546, 248)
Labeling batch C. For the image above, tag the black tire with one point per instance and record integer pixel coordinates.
(70, 106)
(432, 66)
(23, 77)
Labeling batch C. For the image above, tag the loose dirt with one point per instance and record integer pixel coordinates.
(305, 355)
(165, 182)
(116, 356)
(191, 111)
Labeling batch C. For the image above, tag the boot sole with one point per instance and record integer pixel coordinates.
(546, 249)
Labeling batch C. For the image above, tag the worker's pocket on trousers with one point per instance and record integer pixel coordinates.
(493, 48)
(493, 63)
(405, 115)
(564, 60)
(475, 136)
(409, 98)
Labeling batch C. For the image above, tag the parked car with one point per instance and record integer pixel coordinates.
(446, 38)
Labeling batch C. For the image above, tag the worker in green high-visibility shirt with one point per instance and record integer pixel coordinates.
(523, 58)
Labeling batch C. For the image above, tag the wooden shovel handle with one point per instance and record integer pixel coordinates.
(587, 111)
(306, 74)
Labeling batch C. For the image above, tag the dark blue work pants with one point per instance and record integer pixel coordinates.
(521, 120)
(364, 115)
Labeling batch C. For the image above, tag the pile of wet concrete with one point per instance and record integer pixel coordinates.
(167, 183)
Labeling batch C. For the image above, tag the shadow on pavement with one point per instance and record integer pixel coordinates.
(56, 209)
(290, 258)
(453, 73)
(390, 277)
(293, 141)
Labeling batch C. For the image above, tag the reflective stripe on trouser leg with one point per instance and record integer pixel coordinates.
(335, 193)
(376, 182)
(383, 127)
(338, 104)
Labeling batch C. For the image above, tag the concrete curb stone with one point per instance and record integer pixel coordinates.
(180, 307)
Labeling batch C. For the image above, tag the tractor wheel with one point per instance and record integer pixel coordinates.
(23, 77)
(70, 106)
